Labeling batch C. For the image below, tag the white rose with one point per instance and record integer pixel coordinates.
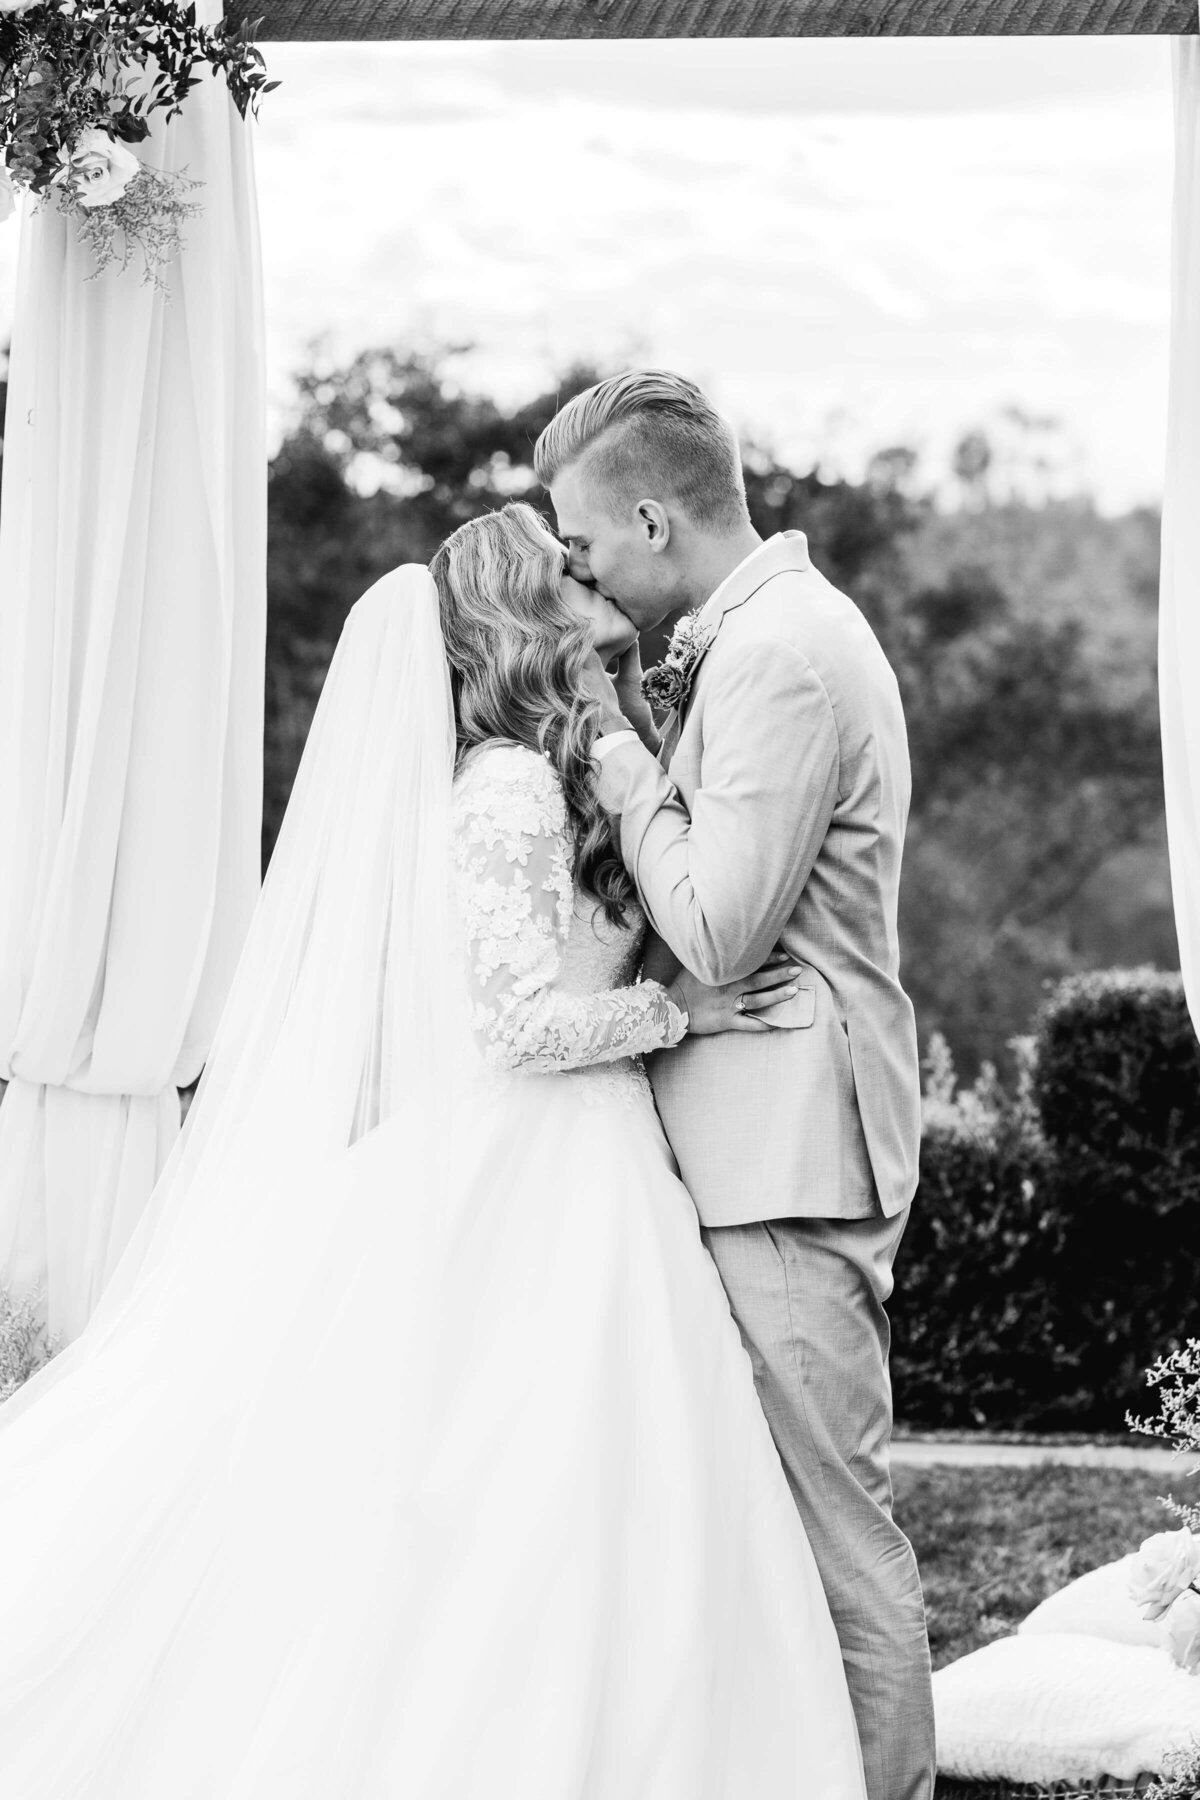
(101, 168)
(1166, 1564)
(1181, 1631)
(16, 6)
(8, 198)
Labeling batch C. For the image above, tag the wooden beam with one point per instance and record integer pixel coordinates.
(326, 20)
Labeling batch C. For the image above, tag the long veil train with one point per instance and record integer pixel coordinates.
(347, 1009)
(344, 999)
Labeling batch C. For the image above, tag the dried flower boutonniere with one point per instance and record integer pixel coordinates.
(668, 683)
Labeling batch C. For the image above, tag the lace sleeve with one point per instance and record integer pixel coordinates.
(512, 855)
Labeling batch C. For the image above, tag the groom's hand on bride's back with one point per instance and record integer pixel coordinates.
(736, 1006)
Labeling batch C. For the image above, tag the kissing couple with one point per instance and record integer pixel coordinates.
(493, 1398)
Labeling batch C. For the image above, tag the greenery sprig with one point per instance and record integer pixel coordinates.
(80, 82)
(1177, 1377)
(147, 221)
(25, 1343)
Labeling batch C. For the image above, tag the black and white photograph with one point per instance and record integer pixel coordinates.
(599, 900)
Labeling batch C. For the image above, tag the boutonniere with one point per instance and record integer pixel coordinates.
(668, 683)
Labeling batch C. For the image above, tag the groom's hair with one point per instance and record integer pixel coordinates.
(649, 434)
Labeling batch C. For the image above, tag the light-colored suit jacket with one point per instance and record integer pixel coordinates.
(779, 821)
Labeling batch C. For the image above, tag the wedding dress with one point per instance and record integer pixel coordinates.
(413, 1453)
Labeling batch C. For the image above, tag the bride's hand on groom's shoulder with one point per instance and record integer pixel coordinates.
(734, 1007)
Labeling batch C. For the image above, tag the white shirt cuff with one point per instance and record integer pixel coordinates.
(610, 740)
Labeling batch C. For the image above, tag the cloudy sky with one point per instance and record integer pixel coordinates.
(853, 243)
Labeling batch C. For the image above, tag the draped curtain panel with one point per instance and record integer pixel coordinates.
(132, 632)
(1179, 615)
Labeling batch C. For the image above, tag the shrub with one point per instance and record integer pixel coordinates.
(1053, 1249)
(1116, 1085)
(974, 1313)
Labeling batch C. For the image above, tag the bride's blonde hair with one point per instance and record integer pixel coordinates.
(516, 653)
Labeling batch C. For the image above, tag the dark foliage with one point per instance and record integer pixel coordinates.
(850, 526)
(1054, 1247)
(1117, 1088)
(975, 1315)
(385, 459)
(57, 74)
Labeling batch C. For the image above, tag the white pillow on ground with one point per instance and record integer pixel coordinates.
(1096, 1605)
(1046, 1708)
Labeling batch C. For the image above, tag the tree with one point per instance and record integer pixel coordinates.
(1021, 635)
(1031, 770)
(384, 459)
(972, 462)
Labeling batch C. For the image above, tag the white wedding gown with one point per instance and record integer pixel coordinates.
(465, 1501)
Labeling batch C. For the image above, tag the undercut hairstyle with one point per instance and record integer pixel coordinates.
(649, 435)
(516, 653)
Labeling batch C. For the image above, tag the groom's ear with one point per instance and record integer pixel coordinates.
(653, 518)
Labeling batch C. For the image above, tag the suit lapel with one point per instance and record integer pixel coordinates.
(787, 551)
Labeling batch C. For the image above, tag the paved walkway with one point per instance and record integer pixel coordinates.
(923, 1453)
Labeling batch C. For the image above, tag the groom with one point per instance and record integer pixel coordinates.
(773, 815)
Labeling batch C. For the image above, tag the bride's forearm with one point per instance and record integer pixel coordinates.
(634, 705)
(647, 730)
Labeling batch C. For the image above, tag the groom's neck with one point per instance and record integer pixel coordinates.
(715, 558)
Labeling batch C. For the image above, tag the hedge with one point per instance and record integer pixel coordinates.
(1053, 1251)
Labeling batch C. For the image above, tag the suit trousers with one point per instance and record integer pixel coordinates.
(809, 1296)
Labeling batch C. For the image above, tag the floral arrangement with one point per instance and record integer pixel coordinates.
(1164, 1580)
(1164, 1585)
(668, 683)
(1177, 1378)
(1180, 1779)
(24, 1344)
(79, 82)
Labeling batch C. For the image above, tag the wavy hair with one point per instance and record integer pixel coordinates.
(516, 653)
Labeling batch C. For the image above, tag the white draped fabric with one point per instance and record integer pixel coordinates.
(1179, 619)
(132, 625)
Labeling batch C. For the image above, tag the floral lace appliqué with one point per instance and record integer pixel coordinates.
(550, 975)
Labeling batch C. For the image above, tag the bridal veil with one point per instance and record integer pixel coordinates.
(412, 1449)
(348, 1000)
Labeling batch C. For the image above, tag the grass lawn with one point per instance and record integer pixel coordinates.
(992, 1543)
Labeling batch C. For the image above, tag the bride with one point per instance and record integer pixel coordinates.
(412, 1452)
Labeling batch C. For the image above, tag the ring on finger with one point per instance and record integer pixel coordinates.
(739, 1004)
